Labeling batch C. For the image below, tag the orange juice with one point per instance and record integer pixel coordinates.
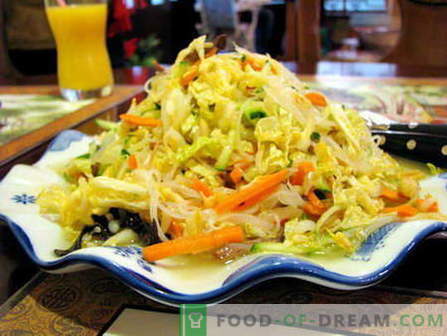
(83, 61)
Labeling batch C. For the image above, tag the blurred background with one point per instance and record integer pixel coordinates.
(141, 31)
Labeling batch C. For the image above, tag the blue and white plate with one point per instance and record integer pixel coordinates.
(168, 281)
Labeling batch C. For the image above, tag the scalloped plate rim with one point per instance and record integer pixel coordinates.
(259, 271)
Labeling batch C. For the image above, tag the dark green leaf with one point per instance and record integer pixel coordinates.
(321, 193)
(315, 136)
(124, 152)
(257, 115)
(85, 156)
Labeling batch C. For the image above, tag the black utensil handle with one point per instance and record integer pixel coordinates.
(418, 128)
(415, 146)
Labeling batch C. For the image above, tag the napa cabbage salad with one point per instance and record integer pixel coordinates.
(232, 153)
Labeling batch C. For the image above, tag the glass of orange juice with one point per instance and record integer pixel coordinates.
(79, 28)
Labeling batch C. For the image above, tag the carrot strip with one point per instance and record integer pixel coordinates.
(243, 164)
(420, 205)
(158, 66)
(316, 99)
(312, 210)
(132, 162)
(259, 198)
(315, 201)
(253, 63)
(258, 187)
(236, 175)
(140, 121)
(433, 208)
(402, 210)
(314, 207)
(392, 195)
(189, 76)
(194, 244)
(211, 52)
(303, 169)
(201, 187)
(175, 230)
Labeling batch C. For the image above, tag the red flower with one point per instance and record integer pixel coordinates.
(122, 13)
(130, 47)
(121, 19)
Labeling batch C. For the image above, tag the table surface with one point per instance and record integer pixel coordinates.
(384, 71)
(18, 146)
(423, 275)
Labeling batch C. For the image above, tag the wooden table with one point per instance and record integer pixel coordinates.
(421, 278)
(139, 75)
(29, 147)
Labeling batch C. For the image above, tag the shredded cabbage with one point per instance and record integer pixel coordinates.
(237, 111)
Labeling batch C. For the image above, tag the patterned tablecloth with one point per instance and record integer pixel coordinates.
(23, 113)
(85, 303)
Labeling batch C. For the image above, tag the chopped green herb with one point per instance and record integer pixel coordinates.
(85, 156)
(157, 106)
(68, 178)
(124, 152)
(102, 169)
(257, 115)
(315, 136)
(252, 112)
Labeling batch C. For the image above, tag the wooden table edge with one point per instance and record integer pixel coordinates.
(22, 292)
(27, 142)
(387, 80)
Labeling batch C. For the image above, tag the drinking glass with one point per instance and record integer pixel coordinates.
(79, 28)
